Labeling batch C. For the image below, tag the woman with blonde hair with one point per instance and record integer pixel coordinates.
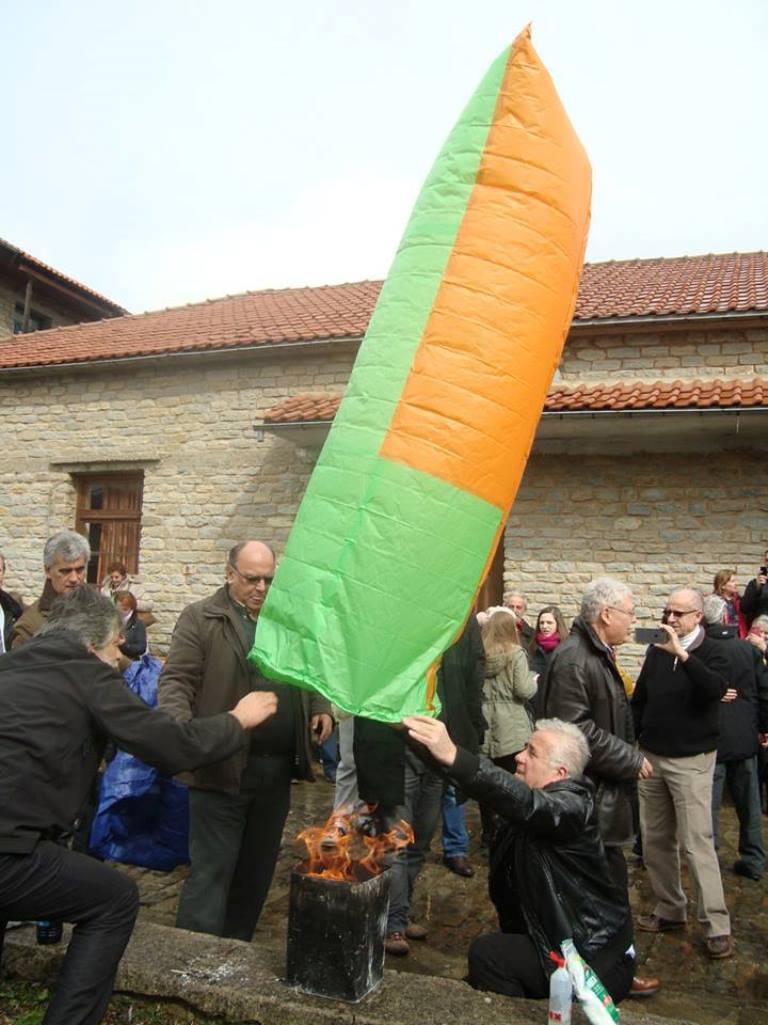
(726, 586)
(508, 685)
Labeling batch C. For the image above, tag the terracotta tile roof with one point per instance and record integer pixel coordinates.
(304, 409)
(702, 285)
(713, 393)
(254, 318)
(25, 260)
(677, 286)
(610, 396)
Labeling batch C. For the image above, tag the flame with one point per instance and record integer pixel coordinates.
(347, 848)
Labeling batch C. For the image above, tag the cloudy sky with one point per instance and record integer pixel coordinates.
(168, 151)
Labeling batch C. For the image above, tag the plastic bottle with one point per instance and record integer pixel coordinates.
(560, 993)
(48, 931)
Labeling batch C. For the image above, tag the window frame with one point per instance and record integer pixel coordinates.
(86, 517)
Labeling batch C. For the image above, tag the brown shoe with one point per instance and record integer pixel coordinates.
(415, 932)
(655, 923)
(396, 943)
(644, 987)
(460, 865)
(720, 946)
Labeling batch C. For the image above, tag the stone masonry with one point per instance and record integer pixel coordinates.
(212, 477)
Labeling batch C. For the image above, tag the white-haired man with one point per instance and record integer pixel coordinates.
(548, 876)
(676, 707)
(517, 605)
(583, 686)
(65, 561)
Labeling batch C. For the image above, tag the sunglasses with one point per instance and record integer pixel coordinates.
(252, 581)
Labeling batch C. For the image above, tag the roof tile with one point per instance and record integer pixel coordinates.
(679, 286)
(641, 395)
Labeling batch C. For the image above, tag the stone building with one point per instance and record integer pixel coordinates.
(34, 296)
(168, 436)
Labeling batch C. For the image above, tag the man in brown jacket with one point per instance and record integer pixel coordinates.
(65, 561)
(237, 807)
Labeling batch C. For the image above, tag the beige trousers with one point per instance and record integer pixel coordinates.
(675, 815)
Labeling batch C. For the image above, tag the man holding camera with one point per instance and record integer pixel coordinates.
(754, 601)
(676, 708)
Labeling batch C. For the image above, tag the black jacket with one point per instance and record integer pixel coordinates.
(754, 601)
(582, 685)
(135, 634)
(12, 610)
(745, 716)
(548, 875)
(380, 747)
(676, 705)
(58, 706)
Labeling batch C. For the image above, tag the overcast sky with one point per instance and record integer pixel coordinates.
(168, 151)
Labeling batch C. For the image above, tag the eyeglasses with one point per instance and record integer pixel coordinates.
(677, 613)
(252, 581)
(627, 612)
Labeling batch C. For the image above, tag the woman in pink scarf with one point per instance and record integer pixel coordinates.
(550, 631)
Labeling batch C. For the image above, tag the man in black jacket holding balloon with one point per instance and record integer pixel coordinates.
(548, 875)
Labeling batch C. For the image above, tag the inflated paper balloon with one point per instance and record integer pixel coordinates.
(410, 494)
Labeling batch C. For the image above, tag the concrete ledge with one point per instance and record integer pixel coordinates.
(241, 982)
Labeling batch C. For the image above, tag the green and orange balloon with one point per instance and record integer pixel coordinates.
(411, 492)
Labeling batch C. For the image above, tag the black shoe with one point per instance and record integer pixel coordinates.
(741, 868)
(460, 865)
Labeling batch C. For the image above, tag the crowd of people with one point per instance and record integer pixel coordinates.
(569, 759)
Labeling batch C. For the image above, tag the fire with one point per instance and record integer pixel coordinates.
(346, 848)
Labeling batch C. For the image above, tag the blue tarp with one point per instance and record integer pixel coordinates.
(143, 814)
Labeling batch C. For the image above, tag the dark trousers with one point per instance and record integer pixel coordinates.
(617, 869)
(234, 840)
(508, 963)
(54, 883)
(742, 780)
(423, 800)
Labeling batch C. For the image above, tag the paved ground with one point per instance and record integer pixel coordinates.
(456, 910)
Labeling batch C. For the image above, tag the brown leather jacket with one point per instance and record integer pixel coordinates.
(33, 617)
(207, 672)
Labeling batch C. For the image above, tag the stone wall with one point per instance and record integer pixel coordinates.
(732, 352)
(654, 521)
(209, 481)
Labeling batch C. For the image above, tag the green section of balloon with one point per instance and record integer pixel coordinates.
(387, 551)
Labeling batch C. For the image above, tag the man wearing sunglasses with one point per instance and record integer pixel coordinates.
(238, 806)
(676, 708)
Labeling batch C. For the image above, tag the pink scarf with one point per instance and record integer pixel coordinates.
(548, 643)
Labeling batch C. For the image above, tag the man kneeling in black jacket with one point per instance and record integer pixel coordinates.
(60, 700)
(548, 876)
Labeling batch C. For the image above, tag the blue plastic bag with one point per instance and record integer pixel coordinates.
(143, 814)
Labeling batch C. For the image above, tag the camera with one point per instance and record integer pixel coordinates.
(650, 635)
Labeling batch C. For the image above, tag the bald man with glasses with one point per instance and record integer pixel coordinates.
(238, 806)
(676, 709)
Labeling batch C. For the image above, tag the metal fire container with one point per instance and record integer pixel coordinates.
(336, 933)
